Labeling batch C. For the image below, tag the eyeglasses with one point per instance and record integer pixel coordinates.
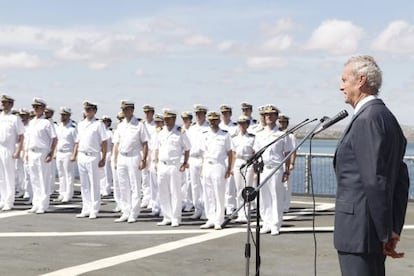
(37, 106)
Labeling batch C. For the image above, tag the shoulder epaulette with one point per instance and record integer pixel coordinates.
(259, 130)
(254, 121)
(250, 134)
(234, 135)
(205, 131)
(139, 119)
(234, 123)
(193, 123)
(224, 130)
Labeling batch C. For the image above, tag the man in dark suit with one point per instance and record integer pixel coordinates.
(372, 178)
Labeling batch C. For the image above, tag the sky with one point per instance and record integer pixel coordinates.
(179, 53)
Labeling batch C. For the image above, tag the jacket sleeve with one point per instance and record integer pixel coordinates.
(400, 199)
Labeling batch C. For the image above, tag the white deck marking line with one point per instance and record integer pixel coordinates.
(139, 254)
(16, 213)
(309, 211)
(10, 214)
(101, 233)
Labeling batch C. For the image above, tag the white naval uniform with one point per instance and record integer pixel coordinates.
(131, 137)
(155, 195)
(27, 185)
(230, 201)
(91, 134)
(215, 148)
(244, 150)
(170, 146)
(115, 184)
(11, 127)
(271, 194)
(288, 184)
(67, 136)
(148, 182)
(40, 135)
(195, 134)
(106, 181)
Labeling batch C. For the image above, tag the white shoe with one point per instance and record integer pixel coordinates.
(32, 210)
(175, 224)
(92, 216)
(274, 231)
(82, 215)
(132, 220)
(40, 211)
(26, 195)
(265, 230)
(164, 222)
(207, 225)
(123, 218)
(217, 227)
(7, 207)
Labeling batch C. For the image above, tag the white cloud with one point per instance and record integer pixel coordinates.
(336, 37)
(139, 72)
(21, 60)
(397, 38)
(198, 40)
(278, 43)
(266, 62)
(97, 65)
(282, 25)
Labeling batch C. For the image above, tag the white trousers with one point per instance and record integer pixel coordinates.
(186, 189)
(19, 175)
(287, 185)
(241, 184)
(169, 183)
(271, 198)
(116, 192)
(7, 177)
(155, 195)
(88, 166)
(214, 188)
(106, 176)
(146, 181)
(65, 168)
(196, 187)
(129, 178)
(40, 178)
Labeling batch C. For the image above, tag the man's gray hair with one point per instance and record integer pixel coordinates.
(367, 66)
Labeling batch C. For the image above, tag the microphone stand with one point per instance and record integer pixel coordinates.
(250, 193)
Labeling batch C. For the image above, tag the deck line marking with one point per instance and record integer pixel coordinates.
(139, 254)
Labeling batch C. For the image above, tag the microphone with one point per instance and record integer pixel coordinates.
(340, 116)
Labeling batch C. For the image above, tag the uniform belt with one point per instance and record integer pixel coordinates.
(168, 162)
(37, 149)
(89, 153)
(64, 151)
(212, 161)
(132, 153)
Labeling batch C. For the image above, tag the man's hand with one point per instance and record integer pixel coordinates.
(390, 246)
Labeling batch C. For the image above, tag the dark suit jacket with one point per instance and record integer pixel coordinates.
(372, 179)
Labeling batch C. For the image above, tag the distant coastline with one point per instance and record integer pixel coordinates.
(335, 133)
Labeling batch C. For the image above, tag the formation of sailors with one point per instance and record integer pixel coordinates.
(146, 163)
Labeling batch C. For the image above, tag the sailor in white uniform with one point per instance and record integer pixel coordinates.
(272, 193)
(217, 150)
(65, 159)
(172, 143)
(132, 139)
(91, 155)
(41, 143)
(11, 134)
